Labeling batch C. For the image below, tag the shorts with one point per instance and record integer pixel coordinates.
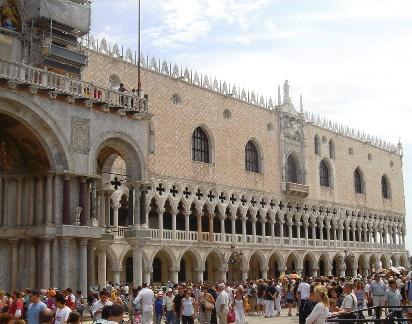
(289, 301)
(261, 301)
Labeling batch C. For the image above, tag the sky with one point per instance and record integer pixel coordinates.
(350, 59)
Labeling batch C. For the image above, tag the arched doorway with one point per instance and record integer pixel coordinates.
(362, 265)
(129, 270)
(161, 266)
(275, 263)
(308, 265)
(255, 267)
(213, 266)
(188, 265)
(291, 264)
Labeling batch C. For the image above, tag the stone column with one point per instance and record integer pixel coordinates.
(19, 201)
(90, 262)
(335, 238)
(116, 275)
(314, 272)
(222, 228)
(233, 220)
(290, 232)
(244, 274)
(187, 225)
(93, 203)
(54, 263)
(244, 229)
(144, 216)
(306, 233)
(254, 221)
(321, 233)
(281, 222)
(137, 263)
(134, 205)
(314, 234)
(347, 234)
(64, 261)
(174, 276)
(116, 207)
(83, 266)
(199, 276)
(328, 234)
(210, 229)
(354, 234)
(32, 261)
(298, 224)
(108, 195)
(272, 231)
(102, 208)
(39, 201)
(66, 200)
(199, 226)
(101, 266)
(263, 224)
(223, 275)
(49, 199)
(30, 204)
(146, 276)
(5, 208)
(173, 224)
(264, 274)
(160, 220)
(354, 271)
(82, 200)
(14, 248)
(45, 263)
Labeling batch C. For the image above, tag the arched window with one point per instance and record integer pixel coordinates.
(292, 170)
(251, 157)
(324, 174)
(200, 146)
(385, 187)
(317, 144)
(331, 149)
(358, 181)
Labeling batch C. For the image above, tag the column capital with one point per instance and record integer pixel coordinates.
(84, 242)
(47, 239)
(13, 241)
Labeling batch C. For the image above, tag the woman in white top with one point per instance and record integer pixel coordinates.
(239, 306)
(321, 311)
(187, 310)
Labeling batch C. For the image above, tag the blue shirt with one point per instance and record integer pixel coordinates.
(34, 311)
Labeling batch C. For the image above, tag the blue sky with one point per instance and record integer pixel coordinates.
(350, 59)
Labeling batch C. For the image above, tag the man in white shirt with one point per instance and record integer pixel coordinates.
(62, 311)
(349, 304)
(222, 304)
(146, 299)
(377, 293)
(97, 307)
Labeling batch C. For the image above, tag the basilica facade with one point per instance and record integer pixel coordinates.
(196, 180)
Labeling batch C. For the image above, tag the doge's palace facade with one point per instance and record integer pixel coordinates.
(101, 185)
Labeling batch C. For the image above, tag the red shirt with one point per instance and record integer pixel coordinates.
(16, 305)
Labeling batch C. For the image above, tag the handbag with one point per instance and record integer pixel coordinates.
(208, 305)
(231, 316)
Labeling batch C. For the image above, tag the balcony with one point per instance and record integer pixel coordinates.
(296, 189)
(64, 55)
(23, 75)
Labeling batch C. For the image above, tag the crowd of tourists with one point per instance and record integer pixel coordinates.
(313, 300)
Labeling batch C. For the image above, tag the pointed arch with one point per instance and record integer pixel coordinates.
(385, 187)
(168, 253)
(292, 262)
(195, 253)
(359, 182)
(293, 169)
(253, 156)
(201, 145)
(325, 173)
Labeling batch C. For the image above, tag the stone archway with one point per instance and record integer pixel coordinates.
(275, 265)
(292, 263)
(362, 265)
(257, 265)
(324, 265)
(213, 267)
(309, 265)
(162, 265)
(189, 267)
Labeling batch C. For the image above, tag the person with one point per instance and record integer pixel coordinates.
(278, 297)
(169, 306)
(360, 296)
(260, 299)
(207, 304)
(377, 291)
(269, 296)
(35, 307)
(46, 316)
(178, 303)
(146, 299)
(158, 307)
(79, 304)
(187, 309)
(74, 318)
(51, 302)
(97, 307)
(70, 298)
(289, 299)
(393, 299)
(320, 312)
(251, 295)
(222, 304)
(239, 307)
(63, 311)
(116, 312)
(349, 304)
(16, 307)
(306, 305)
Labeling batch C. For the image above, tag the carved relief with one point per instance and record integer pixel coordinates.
(81, 135)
